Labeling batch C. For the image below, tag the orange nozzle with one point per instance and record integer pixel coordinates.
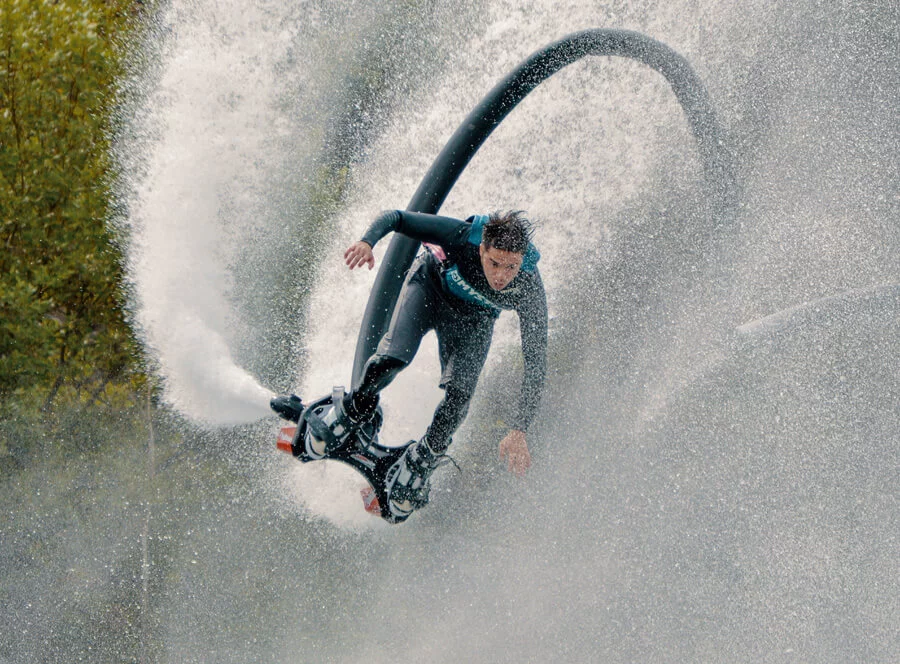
(285, 438)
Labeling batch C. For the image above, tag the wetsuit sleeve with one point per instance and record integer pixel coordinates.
(533, 326)
(432, 228)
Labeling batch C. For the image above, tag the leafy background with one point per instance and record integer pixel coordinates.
(63, 334)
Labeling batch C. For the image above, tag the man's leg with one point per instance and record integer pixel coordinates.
(464, 347)
(413, 317)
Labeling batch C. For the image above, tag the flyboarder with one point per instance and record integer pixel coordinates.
(472, 270)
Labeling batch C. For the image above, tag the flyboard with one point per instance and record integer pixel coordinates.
(311, 439)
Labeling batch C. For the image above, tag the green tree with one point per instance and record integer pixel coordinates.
(61, 320)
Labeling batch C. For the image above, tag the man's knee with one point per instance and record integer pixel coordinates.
(384, 363)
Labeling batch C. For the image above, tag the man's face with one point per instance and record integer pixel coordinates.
(500, 266)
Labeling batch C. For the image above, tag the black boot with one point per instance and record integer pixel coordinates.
(408, 481)
(345, 419)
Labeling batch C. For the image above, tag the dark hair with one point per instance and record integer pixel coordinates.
(509, 231)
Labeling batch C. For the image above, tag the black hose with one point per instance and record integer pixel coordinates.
(479, 124)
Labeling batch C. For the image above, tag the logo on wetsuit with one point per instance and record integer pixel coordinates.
(462, 289)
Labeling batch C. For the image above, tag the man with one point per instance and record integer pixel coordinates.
(473, 270)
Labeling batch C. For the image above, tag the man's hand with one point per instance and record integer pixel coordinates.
(359, 253)
(515, 449)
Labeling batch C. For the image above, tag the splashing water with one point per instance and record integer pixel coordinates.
(702, 488)
(198, 201)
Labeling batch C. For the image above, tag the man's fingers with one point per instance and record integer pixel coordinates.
(517, 457)
(517, 462)
(524, 463)
(354, 258)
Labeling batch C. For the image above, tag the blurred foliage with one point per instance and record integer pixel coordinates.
(63, 336)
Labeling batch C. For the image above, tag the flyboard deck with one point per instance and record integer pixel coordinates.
(372, 460)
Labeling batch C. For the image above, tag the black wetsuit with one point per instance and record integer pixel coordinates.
(447, 291)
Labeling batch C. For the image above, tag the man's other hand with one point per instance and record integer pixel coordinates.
(515, 449)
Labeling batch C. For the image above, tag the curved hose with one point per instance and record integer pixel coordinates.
(485, 117)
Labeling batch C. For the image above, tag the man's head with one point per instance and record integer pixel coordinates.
(504, 242)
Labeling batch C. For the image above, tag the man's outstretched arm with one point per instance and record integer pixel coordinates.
(417, 225)
(423, 227)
